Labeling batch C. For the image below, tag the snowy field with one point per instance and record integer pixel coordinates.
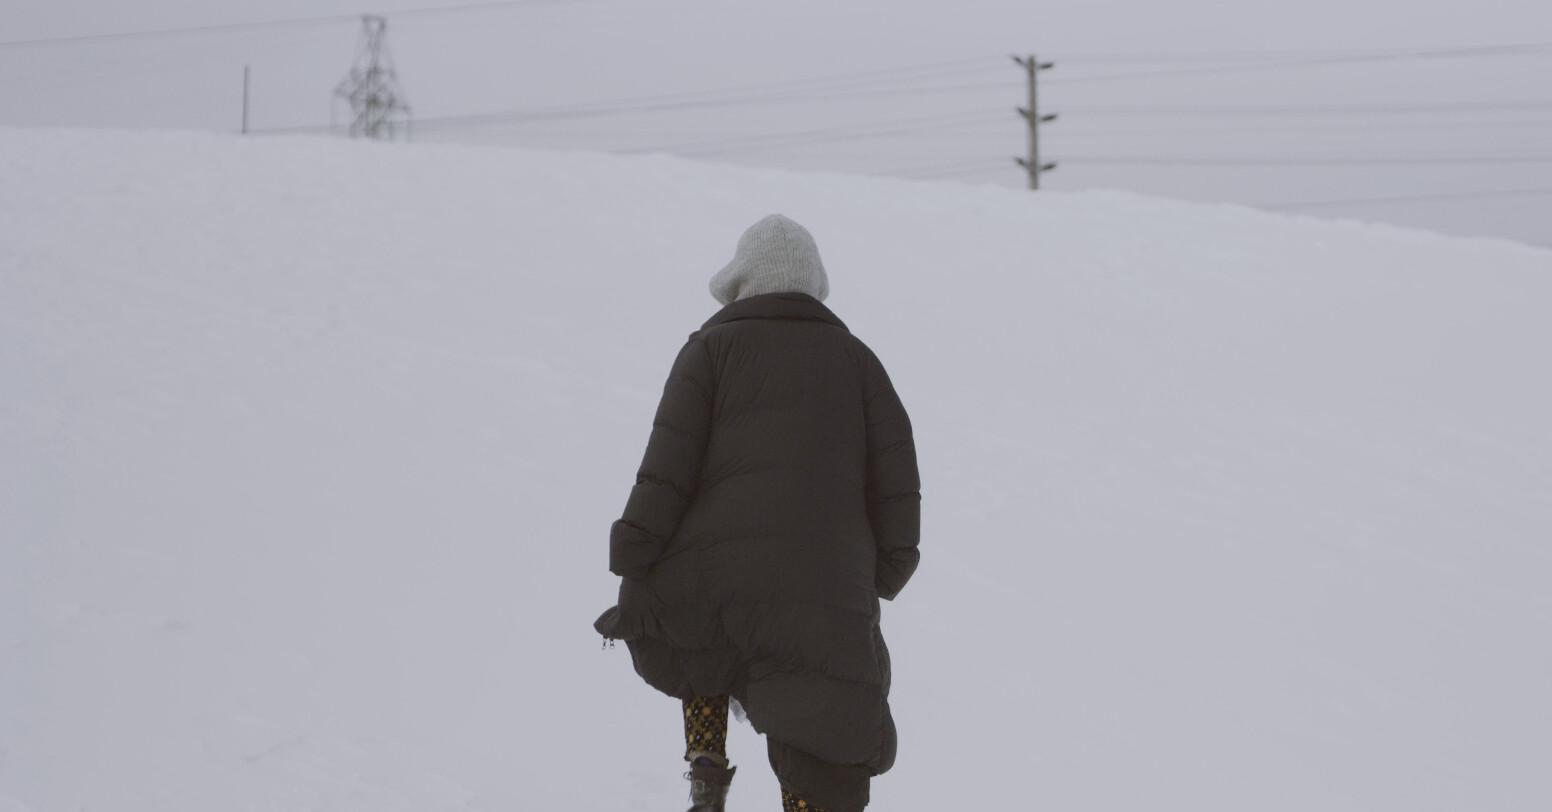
(309, 450)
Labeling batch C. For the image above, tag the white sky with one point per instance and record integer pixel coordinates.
(504, 59)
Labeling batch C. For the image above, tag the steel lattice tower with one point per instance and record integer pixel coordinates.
(372, 88)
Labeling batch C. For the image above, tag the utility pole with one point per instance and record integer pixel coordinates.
(1032, 115)
(372, 88)
(245, 100)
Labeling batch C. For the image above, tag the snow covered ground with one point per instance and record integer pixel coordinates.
(309, 449)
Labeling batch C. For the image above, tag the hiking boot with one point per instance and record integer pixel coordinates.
(709, 784)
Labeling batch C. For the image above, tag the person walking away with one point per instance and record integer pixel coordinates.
(777, 502)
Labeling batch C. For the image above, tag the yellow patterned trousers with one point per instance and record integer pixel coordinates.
(705, 734)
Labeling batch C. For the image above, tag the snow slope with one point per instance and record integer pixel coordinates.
(308, 452)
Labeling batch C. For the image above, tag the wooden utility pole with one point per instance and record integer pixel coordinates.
(245, 100)
(1032, 115)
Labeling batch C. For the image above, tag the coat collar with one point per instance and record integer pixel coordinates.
(785, 306)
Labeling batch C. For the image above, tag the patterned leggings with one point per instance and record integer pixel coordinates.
(705, 732)
(705, 727)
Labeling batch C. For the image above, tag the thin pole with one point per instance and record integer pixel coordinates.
(1034, 126)
(1032, 114)
(245, 100)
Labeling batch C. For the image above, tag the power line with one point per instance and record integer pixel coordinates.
(586, 111)
(790, 92)
(1411, 198)
(1311, 109)
(174, 32)
(871, 130)
(1070, 56)
(1441, 53)
(558, 114)
(970, 171)
(1344, 127)
(833, 86)
(648, 105)
(954, 167)
(169, 57)
(1373, 161)
(295, 22)
(1271, 162)
(437, 11)
(995, 124)
(1222, 56)
(702, 100)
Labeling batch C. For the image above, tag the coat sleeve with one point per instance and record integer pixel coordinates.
(667, 479)
(894, 486)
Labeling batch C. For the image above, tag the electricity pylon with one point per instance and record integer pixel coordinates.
(372, 88)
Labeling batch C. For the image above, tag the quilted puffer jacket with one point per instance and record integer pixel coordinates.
(777, 502)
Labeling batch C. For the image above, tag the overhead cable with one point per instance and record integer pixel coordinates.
(1318, 61)
(1545, 190)
(1343, 161)
(876, 129)
(259, 25)
(1306, 109)
(1223, 56)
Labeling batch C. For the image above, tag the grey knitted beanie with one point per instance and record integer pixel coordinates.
(776, 255)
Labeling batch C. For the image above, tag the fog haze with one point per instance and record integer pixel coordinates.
(943, 109)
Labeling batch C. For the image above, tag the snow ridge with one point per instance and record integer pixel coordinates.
(308, 451)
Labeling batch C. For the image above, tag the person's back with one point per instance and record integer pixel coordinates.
(778, 500)
(783, 483)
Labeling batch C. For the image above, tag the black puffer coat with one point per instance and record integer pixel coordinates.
(778, 501)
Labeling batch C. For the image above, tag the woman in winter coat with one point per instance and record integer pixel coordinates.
(777, 502)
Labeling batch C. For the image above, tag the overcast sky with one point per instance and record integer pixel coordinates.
(1154, 97)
